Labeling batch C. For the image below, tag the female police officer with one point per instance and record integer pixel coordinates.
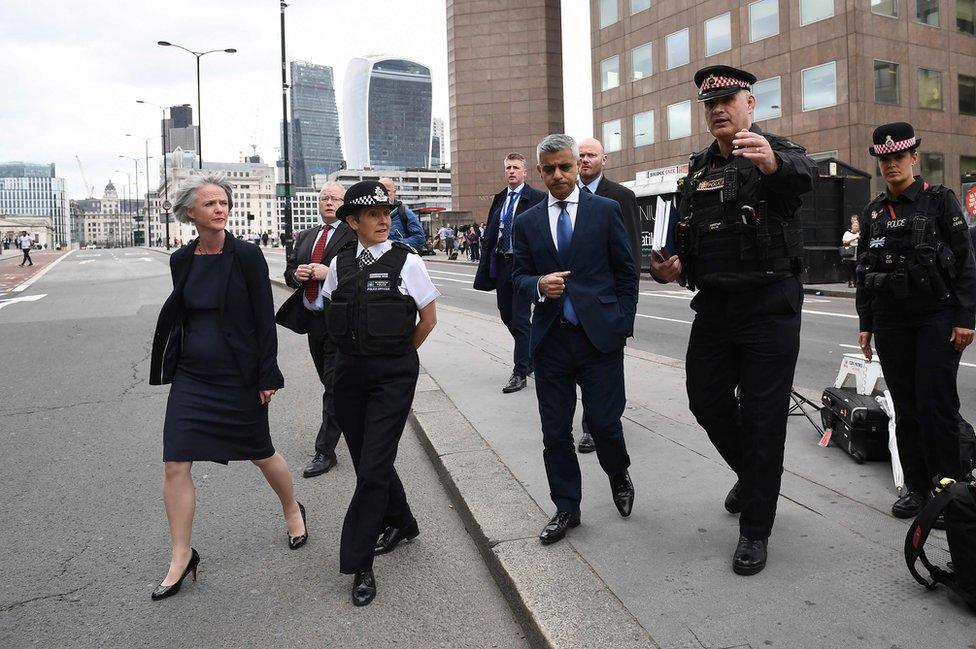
(376, 289)
(917, 294)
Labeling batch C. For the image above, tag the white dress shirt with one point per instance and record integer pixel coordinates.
(592, 185)
(416, 282)
(572, 203)
(514, 200)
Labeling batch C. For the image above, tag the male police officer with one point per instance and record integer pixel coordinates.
(739, 244)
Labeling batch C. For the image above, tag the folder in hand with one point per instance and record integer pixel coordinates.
(665, 220)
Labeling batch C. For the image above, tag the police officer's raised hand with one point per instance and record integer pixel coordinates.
(552, 285)
(666, 270)
(864, 342)
(756, 148)
(961, 338)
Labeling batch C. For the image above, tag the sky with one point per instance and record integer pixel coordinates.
(72, 71)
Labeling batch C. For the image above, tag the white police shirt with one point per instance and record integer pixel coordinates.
(416, 282)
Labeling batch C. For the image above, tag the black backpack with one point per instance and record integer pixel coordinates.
(958, 502)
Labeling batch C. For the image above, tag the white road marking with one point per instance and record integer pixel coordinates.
(87, 255)
(450, 279)
(144, 259)
(26, 285)
(22, 298)
(447, 272)
(815, 300)
(87, 261)
(831, 313)
(657, 317)
(667, 294)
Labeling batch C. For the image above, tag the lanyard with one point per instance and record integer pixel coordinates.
(891, 208)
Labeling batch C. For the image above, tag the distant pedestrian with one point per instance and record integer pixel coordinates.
(216, 343)
(264, 239)
(474, 243)
(446, 235)
(26, 243)
(848, 250)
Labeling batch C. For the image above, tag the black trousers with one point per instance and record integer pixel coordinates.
(566, 358)
(920, 367)
(747, 340)
(27, 257)
(324, 356)
(373, 398)
(515, 309)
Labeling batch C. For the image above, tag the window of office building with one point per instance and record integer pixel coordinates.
(763, 19)
(611, 136)
(932, 168)
(820, 86)
(966, 16)
(885, 8)
(610, 73)
(608, 13)
(718, 34)
(929, 89)
(677, 46)
(967, 95)
(813, 10)
(768, 99)
(927, 12)
(679, 120)
(637, 6)
(886, 82)
(967, 165)
(644, 128)
(640, 62)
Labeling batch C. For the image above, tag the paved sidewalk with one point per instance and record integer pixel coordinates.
(12, 274)
(835, 578)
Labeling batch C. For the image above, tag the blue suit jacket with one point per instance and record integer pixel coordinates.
(483, 281)
(603, 279)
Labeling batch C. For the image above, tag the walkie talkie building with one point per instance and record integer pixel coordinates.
(387, 113)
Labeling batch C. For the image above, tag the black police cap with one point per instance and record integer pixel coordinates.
(367, 193)
(892, 138)
(721, 80)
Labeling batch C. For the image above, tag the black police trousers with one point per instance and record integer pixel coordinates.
(373, 395)
(748, 340)
(920, 367)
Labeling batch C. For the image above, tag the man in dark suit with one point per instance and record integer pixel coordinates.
(305, 271)
(573, 256)
(495, 267)
(591, 180)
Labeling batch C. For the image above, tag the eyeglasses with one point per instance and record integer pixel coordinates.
(326, 198)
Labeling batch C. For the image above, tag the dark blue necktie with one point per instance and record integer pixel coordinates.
(505, 243)
(564, 236)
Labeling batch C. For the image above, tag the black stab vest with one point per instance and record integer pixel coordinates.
(368, 315)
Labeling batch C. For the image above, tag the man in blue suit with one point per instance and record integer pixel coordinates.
(574, 259)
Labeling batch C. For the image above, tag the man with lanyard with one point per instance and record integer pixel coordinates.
(739, 243)
(495, 267)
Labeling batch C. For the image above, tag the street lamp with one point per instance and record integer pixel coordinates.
(135, 162)
(229, 50)
(166, 204)
(148, 203)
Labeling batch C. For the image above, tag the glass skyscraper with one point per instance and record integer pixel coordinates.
(31, 189)
(315, 147)
(386, 113)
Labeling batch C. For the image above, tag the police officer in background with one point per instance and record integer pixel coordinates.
(917, 295)
(376, 289)
(739, 245)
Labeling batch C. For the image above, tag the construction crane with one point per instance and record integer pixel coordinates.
(89, 189)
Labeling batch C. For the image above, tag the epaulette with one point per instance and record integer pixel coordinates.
(405, 246)
(347, 245)
(784, 142)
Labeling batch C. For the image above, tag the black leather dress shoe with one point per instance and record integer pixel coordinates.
(556, 528)
(320, 464)
(733, 502)
(363, 588)
(750, 556)
(392, 536)
(586, 444)
(909, 505)
(515, 383)
(623, 493)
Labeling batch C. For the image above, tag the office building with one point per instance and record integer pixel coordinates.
(386, 113)
(829, 73)
(437, 143)
(108, 221)
(31, 189)
(417, 188)
(316, 147)
(178, 130)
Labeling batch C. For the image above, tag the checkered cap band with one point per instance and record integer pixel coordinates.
(717, 83)
(378, 197)
(894, 147)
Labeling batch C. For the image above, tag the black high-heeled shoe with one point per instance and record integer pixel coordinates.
(162, 592)
(295, 542)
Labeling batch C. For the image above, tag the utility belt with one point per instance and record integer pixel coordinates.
(920, 272)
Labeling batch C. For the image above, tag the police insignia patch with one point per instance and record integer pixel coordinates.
(889, 140)
(711, 185)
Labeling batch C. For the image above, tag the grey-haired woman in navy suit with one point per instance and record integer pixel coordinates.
(216, 344)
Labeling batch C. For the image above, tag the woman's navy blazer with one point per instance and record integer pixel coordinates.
(246, 315)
